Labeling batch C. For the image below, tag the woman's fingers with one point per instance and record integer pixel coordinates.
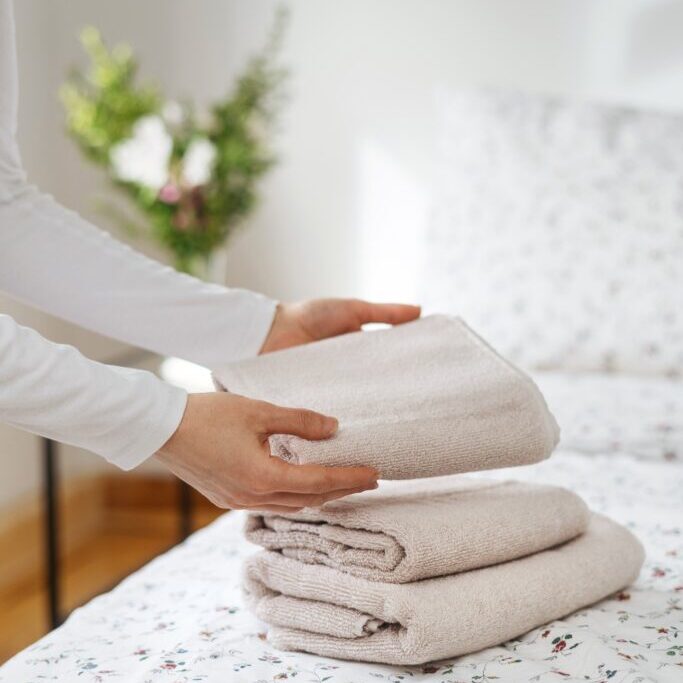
(277, 476)
(318, 478)
(393, 314)
(314, 480)
(305, 500)
(267, 508)
(304, 423)
(285, 501)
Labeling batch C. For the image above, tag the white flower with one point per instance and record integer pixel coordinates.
(143, 158)
(198, 162)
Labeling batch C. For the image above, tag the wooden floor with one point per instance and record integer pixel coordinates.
(87, 572)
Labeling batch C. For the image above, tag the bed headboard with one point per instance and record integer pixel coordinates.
(558, 231)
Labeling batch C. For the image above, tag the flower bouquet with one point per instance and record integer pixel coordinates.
(192, 181)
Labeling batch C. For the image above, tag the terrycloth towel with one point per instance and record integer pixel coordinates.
(412, 530)
(422, 399)
(326, 612)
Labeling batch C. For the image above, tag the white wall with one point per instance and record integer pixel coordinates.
(343, 212)
(363, 78)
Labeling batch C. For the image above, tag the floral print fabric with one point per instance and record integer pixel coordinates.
(641, 416)
(181, 618)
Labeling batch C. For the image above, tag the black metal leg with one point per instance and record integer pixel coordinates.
(51, 526)
(51, 490)
(184, 510)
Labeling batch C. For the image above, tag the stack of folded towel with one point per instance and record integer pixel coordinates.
(407, 578)
(428, 569)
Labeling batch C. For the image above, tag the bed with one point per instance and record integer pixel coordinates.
(181, 618)
(557, 234)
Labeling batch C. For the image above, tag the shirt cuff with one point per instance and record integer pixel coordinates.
(161, 423)
(263, 313)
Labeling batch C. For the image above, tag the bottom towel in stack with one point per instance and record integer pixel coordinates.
(342, 580)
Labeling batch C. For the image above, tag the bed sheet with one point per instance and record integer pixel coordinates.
(600, 413)
(181, 618)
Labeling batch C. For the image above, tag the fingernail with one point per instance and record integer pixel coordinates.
(331, 424)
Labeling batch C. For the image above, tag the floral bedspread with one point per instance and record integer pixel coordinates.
(641, 416)
(181, 618)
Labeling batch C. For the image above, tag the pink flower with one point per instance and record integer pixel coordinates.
(169, 194)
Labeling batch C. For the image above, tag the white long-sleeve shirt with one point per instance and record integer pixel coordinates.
(56, 261)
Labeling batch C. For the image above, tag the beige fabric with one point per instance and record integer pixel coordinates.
(317, 609)
(412, 530)
(423, 399)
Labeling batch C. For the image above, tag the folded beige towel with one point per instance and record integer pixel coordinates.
(412, 530)
(326, 612)
(422, 399)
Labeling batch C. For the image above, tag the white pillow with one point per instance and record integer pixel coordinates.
(558, 231)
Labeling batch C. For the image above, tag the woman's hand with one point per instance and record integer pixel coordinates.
(308, 321)
(221, 446)
(221, 449)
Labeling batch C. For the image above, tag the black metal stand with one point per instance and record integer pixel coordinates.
(51, 524)
(184, 510)
(51, 489)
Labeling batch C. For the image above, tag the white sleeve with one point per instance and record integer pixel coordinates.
(54, 260)
(52, 389)
(58, 262)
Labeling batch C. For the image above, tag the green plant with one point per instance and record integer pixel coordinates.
(193, 182)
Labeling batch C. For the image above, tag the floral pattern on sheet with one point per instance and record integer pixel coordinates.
(181, 618)
(641, 416)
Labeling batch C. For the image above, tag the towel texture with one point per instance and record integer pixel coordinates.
(320, 610)
(413, 530)
(423, 399)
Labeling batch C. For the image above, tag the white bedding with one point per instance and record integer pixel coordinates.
(181, 618)
(641, 416)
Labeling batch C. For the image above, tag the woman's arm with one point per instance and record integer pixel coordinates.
(53, 390)
(56, 261)
(216, 442)
(11, 174)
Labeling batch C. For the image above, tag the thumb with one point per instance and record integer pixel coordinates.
(304, 423)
